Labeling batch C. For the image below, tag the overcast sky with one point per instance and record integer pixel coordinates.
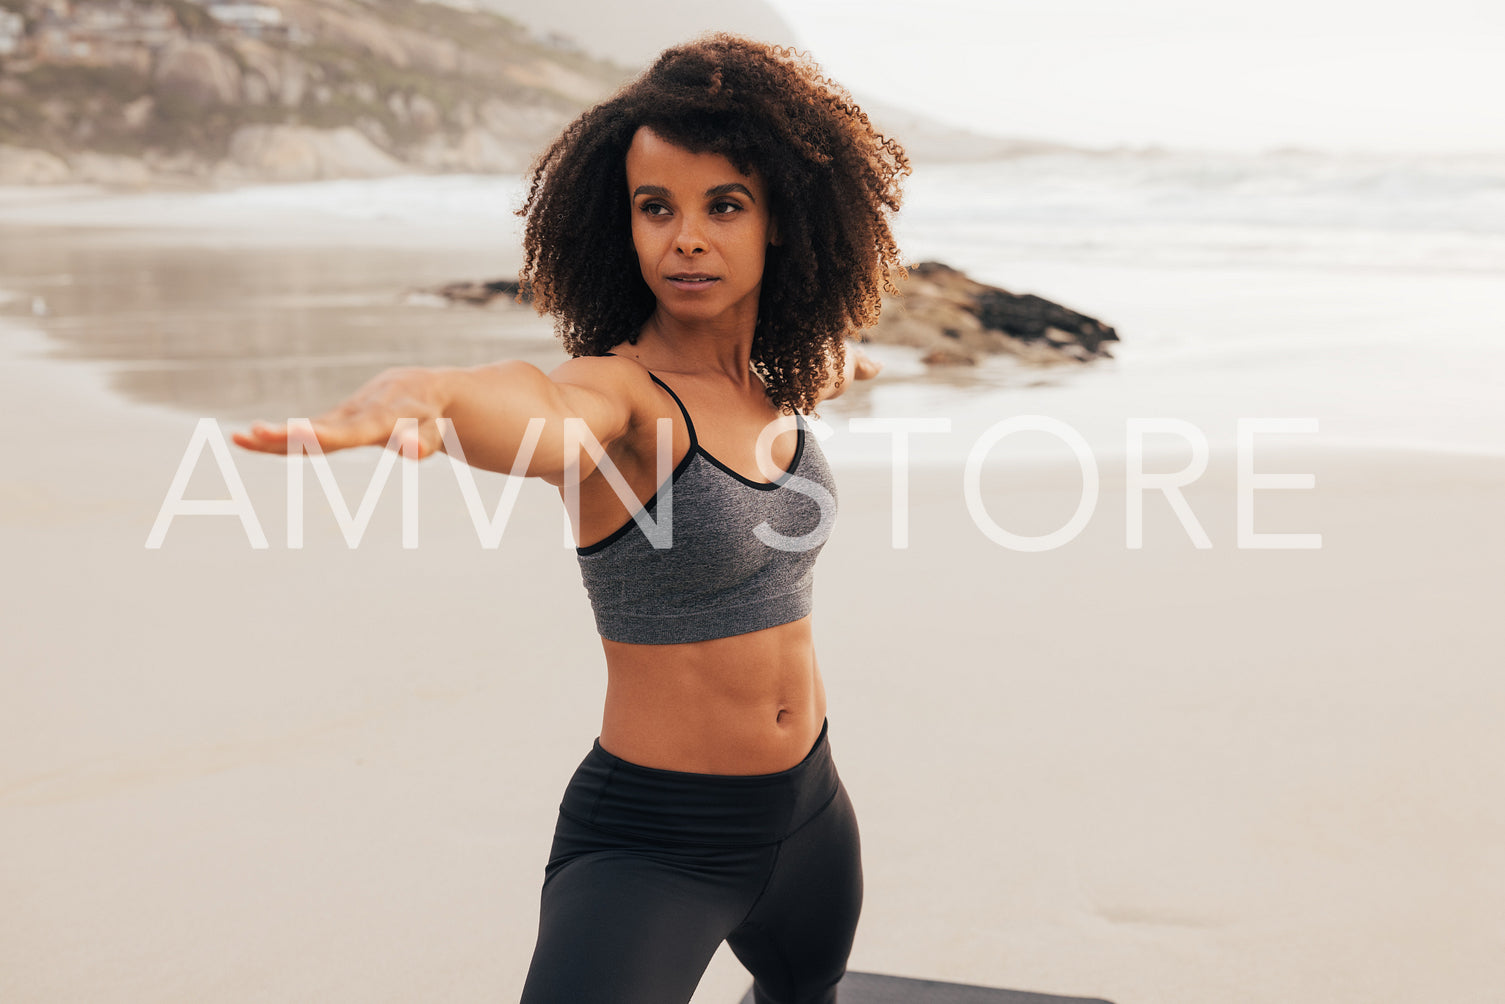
(1336, 74)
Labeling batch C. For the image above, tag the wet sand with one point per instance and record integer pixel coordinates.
(1159, 776)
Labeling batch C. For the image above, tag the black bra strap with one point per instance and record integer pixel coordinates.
(682, 409)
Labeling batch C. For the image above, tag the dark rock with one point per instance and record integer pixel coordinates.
(480, 293)
(945, 313)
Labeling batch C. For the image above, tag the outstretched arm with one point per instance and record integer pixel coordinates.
(490, 406)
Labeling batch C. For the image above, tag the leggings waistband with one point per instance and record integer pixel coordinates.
(667, 806)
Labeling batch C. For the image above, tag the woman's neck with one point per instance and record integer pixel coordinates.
(723, 345)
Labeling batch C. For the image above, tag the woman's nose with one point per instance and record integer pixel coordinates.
(689, 239)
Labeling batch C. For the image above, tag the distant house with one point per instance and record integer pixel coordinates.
(151, 25)
(253, 20)
(126, 33)
(103, 33)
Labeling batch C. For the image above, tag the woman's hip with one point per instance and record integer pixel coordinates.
(677, 808)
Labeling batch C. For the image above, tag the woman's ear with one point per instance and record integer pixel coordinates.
(774, 237)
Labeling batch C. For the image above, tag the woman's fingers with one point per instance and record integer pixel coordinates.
(262, 436)
(413, 437)
(280, 437)
(866, 366)
(417, 439)
(397, 406)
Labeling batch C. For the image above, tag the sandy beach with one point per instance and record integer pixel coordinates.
(1158, 776)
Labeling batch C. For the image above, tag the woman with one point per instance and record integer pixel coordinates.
(705, 239)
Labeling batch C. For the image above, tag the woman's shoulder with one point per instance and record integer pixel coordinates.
(607, 373)
(623, 382)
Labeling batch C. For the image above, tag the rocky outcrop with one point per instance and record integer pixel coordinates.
(110, 171)
(272, 76)
(20, 166)
(477, 294)
(955, 320)
(298, 153)
(338, 89)
(952, 319)
(197, 73)
(476, 151)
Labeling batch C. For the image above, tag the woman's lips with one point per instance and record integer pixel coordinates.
(692, 283)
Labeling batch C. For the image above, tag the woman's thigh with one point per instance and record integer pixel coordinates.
(625, 922)
(797, 937)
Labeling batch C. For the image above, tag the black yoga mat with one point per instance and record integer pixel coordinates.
(874, 988)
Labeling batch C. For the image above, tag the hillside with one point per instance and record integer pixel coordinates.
(146, 93)
(138, 93)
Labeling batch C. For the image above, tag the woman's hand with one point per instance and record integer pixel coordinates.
(370, 416)
(857, 365)
(864, 366)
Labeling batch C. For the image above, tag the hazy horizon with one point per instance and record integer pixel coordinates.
(1315, 74)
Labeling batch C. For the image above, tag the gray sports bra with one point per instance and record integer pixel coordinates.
(740, 554)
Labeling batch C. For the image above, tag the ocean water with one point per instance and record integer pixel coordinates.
(1364, 296)
(1367, 294)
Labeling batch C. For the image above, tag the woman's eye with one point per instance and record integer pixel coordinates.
(655, 209)
(725, 208)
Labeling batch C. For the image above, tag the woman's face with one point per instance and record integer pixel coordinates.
(700, 228)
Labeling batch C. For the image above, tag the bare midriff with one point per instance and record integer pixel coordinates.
(748, 704)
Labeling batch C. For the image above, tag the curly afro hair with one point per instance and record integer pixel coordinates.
(834, 182)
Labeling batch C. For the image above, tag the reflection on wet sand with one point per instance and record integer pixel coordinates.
(257, 332)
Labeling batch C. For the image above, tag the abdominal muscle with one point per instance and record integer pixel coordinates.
(748, 704)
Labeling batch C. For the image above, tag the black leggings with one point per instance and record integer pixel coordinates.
(652, 869)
